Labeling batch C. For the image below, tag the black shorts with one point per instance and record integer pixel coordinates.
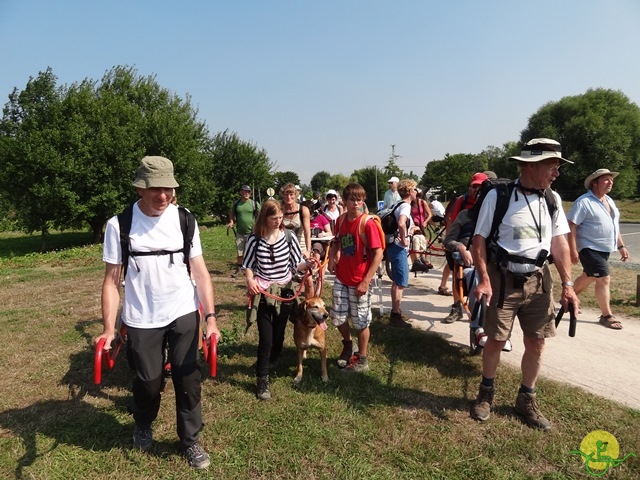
(450, 261)
(594, 263)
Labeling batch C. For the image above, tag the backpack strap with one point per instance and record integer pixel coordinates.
(187, 227)
(550, 198)
(503, 195)
(125, 218)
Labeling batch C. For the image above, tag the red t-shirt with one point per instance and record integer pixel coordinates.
(352, 266)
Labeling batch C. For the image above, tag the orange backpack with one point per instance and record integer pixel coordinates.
(363, 237)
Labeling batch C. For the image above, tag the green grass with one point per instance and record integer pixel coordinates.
(405, 419)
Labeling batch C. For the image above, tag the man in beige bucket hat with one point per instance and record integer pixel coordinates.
(595, 233)
(160, 302)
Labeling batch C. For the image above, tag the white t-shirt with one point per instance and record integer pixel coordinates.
(518, 233)
(437, 208)
(156, 291)
(403, 208)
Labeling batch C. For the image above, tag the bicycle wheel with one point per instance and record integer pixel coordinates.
(435, 256)
(388, 268)
(434, 235)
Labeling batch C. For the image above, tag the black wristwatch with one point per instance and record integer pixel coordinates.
(209, 315)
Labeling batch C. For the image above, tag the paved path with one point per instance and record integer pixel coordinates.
(602, 361)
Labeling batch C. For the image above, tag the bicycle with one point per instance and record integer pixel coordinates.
(434, 233)
(433, 254)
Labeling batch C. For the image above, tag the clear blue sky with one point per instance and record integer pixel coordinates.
(331, 84)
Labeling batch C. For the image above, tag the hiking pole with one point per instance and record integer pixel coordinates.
(572, 319)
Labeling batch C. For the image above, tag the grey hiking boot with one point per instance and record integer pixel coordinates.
(263, 388)
(527, 409)
(481, 407)
(455, 315)
(197, 457)
(142, 438)
(357, 364)
(345, 355)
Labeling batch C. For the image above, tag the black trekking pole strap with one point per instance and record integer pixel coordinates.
(503, 281)
(572, 319)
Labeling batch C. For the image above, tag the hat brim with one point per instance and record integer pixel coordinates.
(593, 176)
(156, 182)
(539, 158)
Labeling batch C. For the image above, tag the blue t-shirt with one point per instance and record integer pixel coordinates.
(597, 229)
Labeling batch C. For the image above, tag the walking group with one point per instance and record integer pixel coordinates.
(510, 239)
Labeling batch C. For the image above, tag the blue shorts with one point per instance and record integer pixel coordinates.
(594, 263)
(399, 264)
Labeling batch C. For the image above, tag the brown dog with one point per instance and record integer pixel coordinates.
(308, 332)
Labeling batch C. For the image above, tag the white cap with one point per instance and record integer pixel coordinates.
(331, 192)
(393, 179)
(298, 187)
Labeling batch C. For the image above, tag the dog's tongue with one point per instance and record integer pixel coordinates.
(323, 325)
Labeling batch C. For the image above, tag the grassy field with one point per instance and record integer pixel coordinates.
(405, 419)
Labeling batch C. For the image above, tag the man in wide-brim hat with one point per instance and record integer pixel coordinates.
(513, 272)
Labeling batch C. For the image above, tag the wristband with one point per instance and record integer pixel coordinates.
(209, 315)
(567, 284)
(621, 247)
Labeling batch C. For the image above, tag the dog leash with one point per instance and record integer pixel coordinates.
(309, 262)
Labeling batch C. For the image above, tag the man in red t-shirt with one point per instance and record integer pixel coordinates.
(463, 202)
(354, 262)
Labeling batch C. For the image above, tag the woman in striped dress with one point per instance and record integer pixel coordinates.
(271, 258)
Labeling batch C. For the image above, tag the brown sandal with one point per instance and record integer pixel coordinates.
(444, 291)
(610, 321)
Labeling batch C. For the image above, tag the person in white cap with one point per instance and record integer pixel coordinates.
(391, 196)
(332, 210)
(299, 197)
(513, 273)
(595, 233)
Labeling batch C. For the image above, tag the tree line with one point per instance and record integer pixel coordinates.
(68, 153)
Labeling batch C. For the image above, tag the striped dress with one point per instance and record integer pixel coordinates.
(274, 263)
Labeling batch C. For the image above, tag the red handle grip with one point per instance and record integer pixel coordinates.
(211, 354)
(97, 362)
(107, 357)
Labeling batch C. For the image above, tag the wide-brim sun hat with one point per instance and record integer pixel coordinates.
(540, 149)
(155, 172)
(597, 174)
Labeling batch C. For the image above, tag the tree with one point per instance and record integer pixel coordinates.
(598, 129)
(233, 163)
(497, 159)
(30, 159)
(280, 179)
(453, 173)
(369, 178)
(71, 152)
(320, 181)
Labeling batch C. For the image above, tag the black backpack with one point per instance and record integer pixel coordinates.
(187, 226)
(504, 187)
(388, 220)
